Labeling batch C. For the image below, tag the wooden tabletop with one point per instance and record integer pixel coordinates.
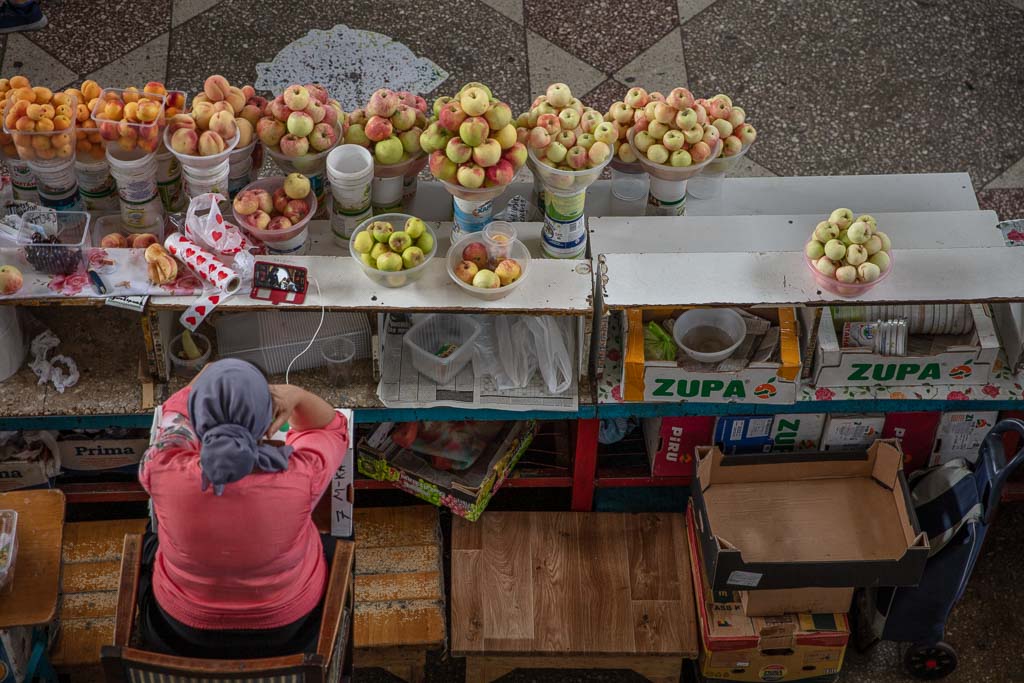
(574, 583)
(32, 599)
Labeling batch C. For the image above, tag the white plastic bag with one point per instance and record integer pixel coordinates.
(512, 348)
(551, 339)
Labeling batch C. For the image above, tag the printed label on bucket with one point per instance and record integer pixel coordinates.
(141, 215)
(657, 207)
(471, 216)
(25, 193)
(565, 226)
(64, 201)
(172, 194)
(345, 221)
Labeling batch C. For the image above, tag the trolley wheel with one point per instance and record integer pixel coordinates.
(930, 662)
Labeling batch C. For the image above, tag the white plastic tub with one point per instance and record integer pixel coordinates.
(427, 338)
(724, 319)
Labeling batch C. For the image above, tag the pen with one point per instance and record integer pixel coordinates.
(97, 282)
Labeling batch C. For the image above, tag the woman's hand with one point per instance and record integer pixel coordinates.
(285, 398)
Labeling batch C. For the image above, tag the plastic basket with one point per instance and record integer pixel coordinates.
(427, 338)
(71, 228)
(271, 339)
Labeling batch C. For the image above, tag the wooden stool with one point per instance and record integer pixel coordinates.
(572, 590)
(399, 598)
(92, 563)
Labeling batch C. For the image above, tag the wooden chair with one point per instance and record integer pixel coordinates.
(123, 663)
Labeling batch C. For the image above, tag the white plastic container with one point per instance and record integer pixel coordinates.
(8, 545)
(725, 320)
(168, 182)
(96, 185)
(12, 342)
(23, 181)
(429, 337)
(184, 367)
(499, 236)
(135, 173)
(199, 181)
(350, 172)
(241, 167)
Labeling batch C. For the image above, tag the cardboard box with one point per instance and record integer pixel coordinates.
(965, 360)
(851, 432)
(103, 453)
(772, 603)
(735, 647)
(30, 461)
(685, 381)
(1009, 321)
(831, 520)
(465, 493)
(671, 442)
(960, 435)
(916, 432)
(740, 434)
(797, 432)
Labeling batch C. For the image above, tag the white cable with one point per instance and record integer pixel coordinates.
(323, 314)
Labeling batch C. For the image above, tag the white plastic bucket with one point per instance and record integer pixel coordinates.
(200, 181)
(96, 185)
(135, 174)
(470, 216)
(667, 197)
(241, 167)
(350, 172)
(565, 226)
(12, 343)
(386, 194)
(168, 182)
(23, 181)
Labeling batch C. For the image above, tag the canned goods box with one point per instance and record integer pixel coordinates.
(851, 432)
(764, 369)
(671, 442)
(821, 520)
(947, 359)
(960, 435)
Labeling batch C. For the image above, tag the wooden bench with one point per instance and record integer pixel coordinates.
(572, 590)
(399, 597)
(91, 560)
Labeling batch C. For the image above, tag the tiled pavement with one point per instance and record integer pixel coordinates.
(834, 86)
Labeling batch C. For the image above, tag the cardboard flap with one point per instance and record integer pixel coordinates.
(888, 461)
(780, 645)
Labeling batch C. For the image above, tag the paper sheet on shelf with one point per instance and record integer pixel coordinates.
(402, 386)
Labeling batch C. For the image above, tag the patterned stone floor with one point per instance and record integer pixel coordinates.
(834, 87)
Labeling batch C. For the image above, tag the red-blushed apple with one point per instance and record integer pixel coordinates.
(331, 115)
(279, 223)
(664, 112)
(643, 140)
(590, 120)
(680, 98)
(295, 210)
(566, 138)
(280, 199)
(458, 151)
(388, 151)
(640, 121)
(317, 92)
(439, 104)
(498, 115)
(501, 173)
(550, 123)
(599, 153)
(746, 133)
(11, 280)
(693, 135)
(719, 108)
(264, 200)
(516, 155)
(316, 111)
(323, 137)
(407, 98)
(506, 136)
(270, 131)
(556, 152)
(723, 126)
(621, 113)
(731, 146)
(435, 137)
(357, 116)
(258, 220)
(606, 132)
(576, 157)
(411, 141)
(474, 130)
(508, 271)
(421, 104)
(568, 119)
(442, 167)
(404, 118)
(452, 116)
(686, 119)
(476, 252)
(658, 154)
(295, 96)
(539, 138)
(700, 151)
(466, 271)
(487, 153)
(356, 135)
(378, 128)
(474, 101)
(300, 124)
(673, 140)
(737, 116)
(470, 175)
(383, 103)
(702, 114)
(636, 98)
(294, 146)
(486, 279)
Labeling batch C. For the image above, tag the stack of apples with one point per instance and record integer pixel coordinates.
(131, 118)
(382, 247)
(259, 210)
(38, 123)
(389, 126)
(674, 130)
(850, 250)
(479, 270)
(473, 143)
(566, 135)
(302, 120)
(731, 123)
(626, 112)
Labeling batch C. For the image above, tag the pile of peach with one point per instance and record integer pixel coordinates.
(389, 125)
(38, 123)
(302, 120)
(130, 118)
(219, 114)
(127, 240)
(566, 135)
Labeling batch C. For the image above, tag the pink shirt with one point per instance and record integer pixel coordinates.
(251, 558)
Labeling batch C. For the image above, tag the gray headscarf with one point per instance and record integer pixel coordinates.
(231, 409)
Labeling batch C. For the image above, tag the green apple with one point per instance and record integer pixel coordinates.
(399, 242)
(381, 230)
(363, 242)
(835, 250)
(425, 242)
(378, 250)
(414, 227)
(412, 257)
(368, 260)
(388, 151)
(814, 250)
(389, 262)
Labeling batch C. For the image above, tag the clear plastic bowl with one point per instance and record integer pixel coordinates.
(852, 290)
(277, 237)
(183, 367)
(565, 182)
(398, 278)
(724, 319)
(708, 184)
(111, 223)
(8, 545)
(44, 146)
(426, 338)
(145, 136)
(519, 252)
(196, 161)
(724, 164)
(674, 173)
(308, 164)
(410, 166)
(70, 227)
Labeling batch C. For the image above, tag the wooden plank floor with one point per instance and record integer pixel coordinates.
(92, 562)
(399, 598)
(572, 584)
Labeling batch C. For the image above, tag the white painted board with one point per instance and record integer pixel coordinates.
(970, 275)
(713, 234)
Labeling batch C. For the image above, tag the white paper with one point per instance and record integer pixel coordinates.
(342, 486)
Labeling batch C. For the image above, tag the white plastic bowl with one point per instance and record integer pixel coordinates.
(398, 278)
(724, 319)
(519, 252)
(565, 182)
(279, 241)
(666, 172)
(196, 161)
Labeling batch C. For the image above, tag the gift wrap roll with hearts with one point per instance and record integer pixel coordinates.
(221, 281)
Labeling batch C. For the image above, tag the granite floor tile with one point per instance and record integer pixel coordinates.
(880, 99)
(748, 168)
(603, 33)
(1011, 177)
(143, 64)
(23, 57)
(551, 64)
(688, 9)
(1008, 203)
(513, 9)
(86, 34)
(660, 67)
(604, 95)
(183, 10)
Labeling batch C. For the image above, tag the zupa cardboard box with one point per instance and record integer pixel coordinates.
(797, 432)
(735, 647)
(741, 434)
(948, 359)
(771, 380)
(851, 432)
(773, 603)
(79, 454)
(960, 435)
(916, 433)
(671, 442)
(830, 520)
